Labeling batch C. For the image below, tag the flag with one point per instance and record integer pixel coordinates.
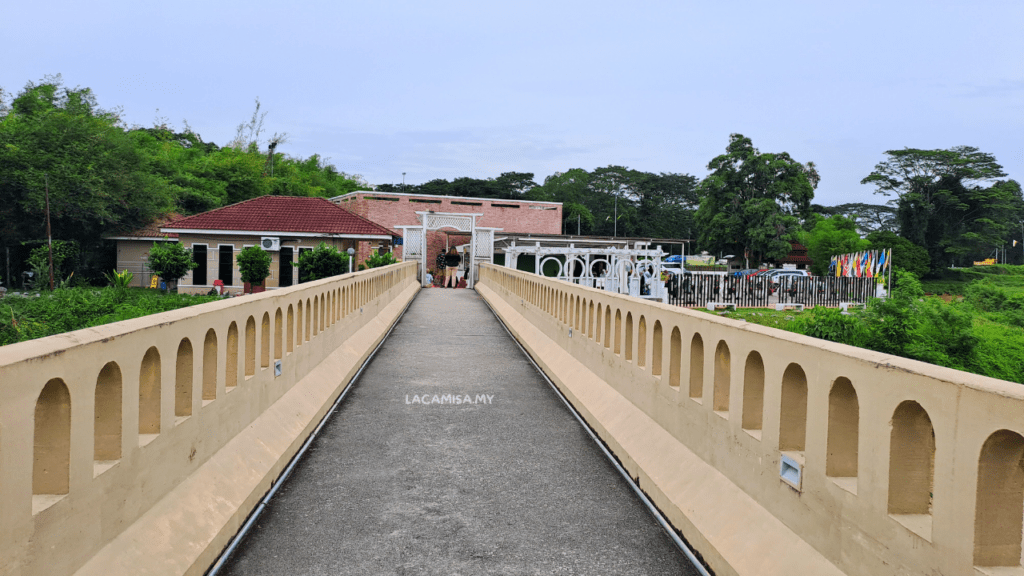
(882, 262)
(871, 264)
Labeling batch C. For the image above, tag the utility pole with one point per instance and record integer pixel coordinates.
(403, 181)
(615, 234)
(49, 236)
(577, 224)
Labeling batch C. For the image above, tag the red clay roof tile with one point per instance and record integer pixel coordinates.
(283, 214)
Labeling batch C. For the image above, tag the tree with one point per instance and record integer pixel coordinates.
(665, 204)
(830, 237)
(254, 265)
(752, 202)
(514, 185)
(943, 204)
(571, 188)
(322, 262)
(436, 187)
(869, 217)
(905, 254)
(170, 261)
(58, 138)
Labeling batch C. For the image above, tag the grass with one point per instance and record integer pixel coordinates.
(955, 281)
(763, 316)
(64, 310)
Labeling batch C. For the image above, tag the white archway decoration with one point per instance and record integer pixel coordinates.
(481, 240)
(613, 269)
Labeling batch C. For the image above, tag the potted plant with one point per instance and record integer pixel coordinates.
(254, 264)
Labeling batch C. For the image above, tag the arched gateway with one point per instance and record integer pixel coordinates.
(481, 242)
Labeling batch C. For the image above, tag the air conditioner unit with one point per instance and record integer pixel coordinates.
(271, 243)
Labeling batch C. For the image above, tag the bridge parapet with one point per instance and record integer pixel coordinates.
(776, 453)
(140, 446)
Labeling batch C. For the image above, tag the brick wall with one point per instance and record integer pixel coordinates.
(391, 210)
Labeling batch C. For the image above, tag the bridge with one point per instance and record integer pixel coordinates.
(361, 424)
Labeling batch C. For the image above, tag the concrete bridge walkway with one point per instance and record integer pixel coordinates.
(451, 455)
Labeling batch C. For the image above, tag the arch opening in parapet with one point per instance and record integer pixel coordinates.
(1000, 501)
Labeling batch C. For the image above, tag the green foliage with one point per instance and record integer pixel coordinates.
(65, 261)
(377, 260)
(105, 178)
(941, 204)
(1000, 351)
(63, 310)
(170, 261)
(890, 324)
(870, 218)
(254, 265)
(956, 281)
(751, 203)
(830, 237)
(322, 262)
(119, 283)
(905, 254)
(832, 325)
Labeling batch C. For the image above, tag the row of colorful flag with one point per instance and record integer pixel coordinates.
(864, 264)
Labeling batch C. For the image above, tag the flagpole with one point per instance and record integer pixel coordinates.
(888, 287)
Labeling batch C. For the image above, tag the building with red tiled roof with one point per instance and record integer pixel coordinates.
(797, 257)
(285, 226)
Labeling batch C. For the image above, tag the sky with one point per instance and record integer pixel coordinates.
(460, 88)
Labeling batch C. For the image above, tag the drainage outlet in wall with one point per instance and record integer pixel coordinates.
(277, 368)
(791, 472)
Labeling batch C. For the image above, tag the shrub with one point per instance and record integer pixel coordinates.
(832, 325)
(63, 310)
(377, 260)
(322, 262)
(890, 324)
(945, 335)
(254, 265)
(119, 283)
(170, 261)
(905, 254)
(65, 261)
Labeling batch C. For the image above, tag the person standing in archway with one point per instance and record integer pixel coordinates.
(451, 263)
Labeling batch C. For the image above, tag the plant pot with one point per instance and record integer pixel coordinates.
(250, 289)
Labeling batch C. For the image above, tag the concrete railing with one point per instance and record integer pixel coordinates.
(776, 453)
(139, 447)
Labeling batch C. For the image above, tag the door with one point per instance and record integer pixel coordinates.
(285, 273)
(199, 257)
(302, 276)
(226, 268)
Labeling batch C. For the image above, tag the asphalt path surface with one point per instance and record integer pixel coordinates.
(493, 476)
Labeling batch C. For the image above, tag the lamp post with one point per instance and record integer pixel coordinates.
(351, 262)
